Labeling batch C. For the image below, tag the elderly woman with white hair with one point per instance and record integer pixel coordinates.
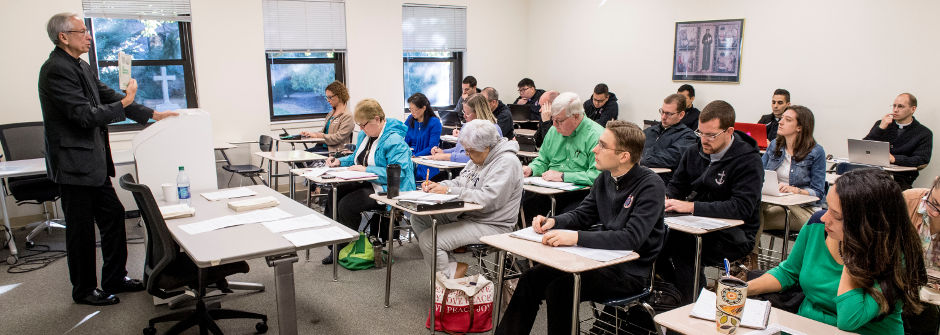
(493, 179)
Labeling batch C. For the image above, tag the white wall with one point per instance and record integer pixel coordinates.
(845, 60)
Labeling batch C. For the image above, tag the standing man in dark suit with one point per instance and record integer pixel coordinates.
(76, 109)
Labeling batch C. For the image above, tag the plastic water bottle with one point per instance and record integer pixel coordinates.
(182, 187)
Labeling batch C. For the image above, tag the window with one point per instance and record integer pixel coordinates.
(297, 81)
(304, 42)
(433, 42)
(158, 37)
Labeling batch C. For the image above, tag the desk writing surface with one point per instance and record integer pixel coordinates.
(891, 167)
(679, 320)
(789, 199)
(528, 154)
(434, 164)
(320, 180)
(525, 132)
(698, 231)
(661, 170)
(23, 167)
(467, 206)
(223, 146)
(302, 140)
(290, 156)
(548, 190)
(550, 256)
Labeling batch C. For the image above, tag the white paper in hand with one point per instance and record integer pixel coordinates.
(124, 69)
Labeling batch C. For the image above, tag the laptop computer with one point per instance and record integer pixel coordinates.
(520, 112)
(756, 131)
(771, 184)
(869, 152)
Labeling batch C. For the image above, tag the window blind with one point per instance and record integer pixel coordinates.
(304, 25)
(434, 28)
(165, 10)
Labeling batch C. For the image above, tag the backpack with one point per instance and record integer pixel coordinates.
(358, 255)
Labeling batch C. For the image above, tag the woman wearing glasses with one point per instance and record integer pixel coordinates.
(337, 132)
(473, 109)
(381, 143)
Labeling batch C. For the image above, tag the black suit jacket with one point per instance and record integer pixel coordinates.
(76, 110)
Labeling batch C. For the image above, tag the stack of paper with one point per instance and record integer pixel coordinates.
(237, 192)
(538, 181)
(448, 138)
(263, 215)
(427, 161)
(352, 174)
(425, 198)
(600, 255)
(294, 223)
(756, 312)
(697, 222)
(315, 236)
(177, 211)
(253, 203)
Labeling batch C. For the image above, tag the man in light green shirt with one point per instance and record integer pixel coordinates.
(565, 155)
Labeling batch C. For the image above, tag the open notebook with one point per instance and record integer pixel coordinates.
(426, 198)
(538, 181)
(756, 312)
(703, 223)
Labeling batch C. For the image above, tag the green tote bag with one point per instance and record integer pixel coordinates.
(358, 255)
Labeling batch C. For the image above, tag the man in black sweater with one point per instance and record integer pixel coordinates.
(778, 104)
(500, 111)
(719, 177)
(666, 141)
(911, 142)
(529, 96)
(603, 105)
(624, 211)
(691, 113)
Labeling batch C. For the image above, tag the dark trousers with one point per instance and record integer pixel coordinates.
(534, 204)
(352, 200)
(555, 287)
(85, 206)
(679, 252)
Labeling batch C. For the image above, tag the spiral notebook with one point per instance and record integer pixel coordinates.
(756, 312)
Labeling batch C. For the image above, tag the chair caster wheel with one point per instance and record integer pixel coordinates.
(30, 244)
(12, 260)
(150, 331)
(261, 327)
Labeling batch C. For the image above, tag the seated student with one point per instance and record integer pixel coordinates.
(691, 113)
(564, 156)
(911, 142)
(545, 123)
(666, 141)
(624, 211)
(493, 179)
(500, 111)
(424, 131)
(923, 205)
(860, 264)
(468, 87)
(337, 132)
(381, 143)
(800, 164)
(475, 108)
(529, 96)
(778, 104)
(603, 106)
(720, 177)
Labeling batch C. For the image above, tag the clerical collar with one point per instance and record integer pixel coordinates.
(903, 125)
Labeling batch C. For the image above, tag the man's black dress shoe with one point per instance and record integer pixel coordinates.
(127, 285)
(98, 298)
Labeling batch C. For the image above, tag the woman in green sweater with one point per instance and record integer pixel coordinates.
(861, 265)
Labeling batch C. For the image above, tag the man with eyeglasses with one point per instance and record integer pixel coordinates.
(603, 106)
(76, 110)
(911, 142)
(500, 111)
(719, 177)
(529, 96)
(778, 104)
(666, 141)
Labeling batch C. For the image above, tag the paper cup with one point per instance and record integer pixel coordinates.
(729, 305)
(169, 193)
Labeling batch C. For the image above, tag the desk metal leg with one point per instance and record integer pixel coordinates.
(698, 266)
(576, 303)
(292, 187)
(388, 270)
(284, 287)
(13, 258)
(498, 301)
(270, 166)
(335, 251)
(433, 268)
(552, 212)
(786, 233)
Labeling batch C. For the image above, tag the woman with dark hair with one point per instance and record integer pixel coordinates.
(424, 131)
(860, 264)
(800, 164)
(337, 131)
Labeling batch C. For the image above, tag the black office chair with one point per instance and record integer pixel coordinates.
(265, 143)
(25, 140)
(168, 272)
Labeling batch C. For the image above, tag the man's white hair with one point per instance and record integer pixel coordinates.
(567, 102)
(479, 135)
(59, 23)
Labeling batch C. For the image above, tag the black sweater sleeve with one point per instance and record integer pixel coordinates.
(544, 127)
(637, 222)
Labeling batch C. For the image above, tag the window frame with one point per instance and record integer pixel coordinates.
(339, 64)
(186, 60)
(456, 61)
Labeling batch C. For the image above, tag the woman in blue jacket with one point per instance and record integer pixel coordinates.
(381, 143)
(424, 131)
(800, 164)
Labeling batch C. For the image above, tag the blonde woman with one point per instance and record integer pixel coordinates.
(475, 108)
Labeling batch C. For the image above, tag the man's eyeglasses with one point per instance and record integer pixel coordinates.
(557, 122)
(898, 106)
(523, 89)
(665, 113)
(604, 147)
(709, 136)
(83, 31)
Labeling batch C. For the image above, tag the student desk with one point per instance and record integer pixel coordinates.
(221, 147)
(440, 165)
(335, 182)
(302, 140)
(785, 201)
(661, 170)
(550, 192)
(449, 139)
(698, 232)
(17, 168)
(244, 242)
(680, 321)
(382, 199)
(289, 157)
(548, 256)
(891, 167)
(524, 132)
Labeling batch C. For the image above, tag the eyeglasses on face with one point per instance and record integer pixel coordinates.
(709, 136)
(665, 113)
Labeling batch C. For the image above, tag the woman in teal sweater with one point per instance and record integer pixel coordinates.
(861, 265)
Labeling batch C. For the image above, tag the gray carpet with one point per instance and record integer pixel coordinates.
(41, 302)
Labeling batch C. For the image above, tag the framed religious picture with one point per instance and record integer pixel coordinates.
(708, 51)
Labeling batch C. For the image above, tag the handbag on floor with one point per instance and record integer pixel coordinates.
(462, 305)
(358, 255)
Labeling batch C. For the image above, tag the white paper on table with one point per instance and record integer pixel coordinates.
(756, 312)
(124, 69)
(425, 197)
(263, 215)
(427, 161)
(314, 236)
(600, 255)
(538, 181)
(237, 192)
(697, 222)
(527, 234)
(449, 138)
(352, 174)
(269, 214)
(294, 223)
(774, 329)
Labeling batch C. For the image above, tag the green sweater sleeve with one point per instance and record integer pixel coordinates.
(855, 309)
(788, 271)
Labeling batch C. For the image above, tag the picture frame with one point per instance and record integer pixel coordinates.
(708, 51)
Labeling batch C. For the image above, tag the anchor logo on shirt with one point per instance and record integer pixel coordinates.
(721, 178)
(629, 202)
